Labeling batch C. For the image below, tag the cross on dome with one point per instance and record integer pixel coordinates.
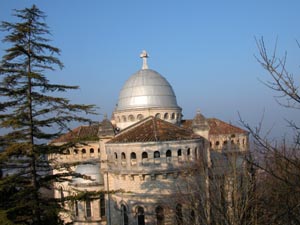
(144, 55)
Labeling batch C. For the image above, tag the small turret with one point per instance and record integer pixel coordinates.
(200, 125)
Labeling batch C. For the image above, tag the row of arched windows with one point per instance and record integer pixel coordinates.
(140, 215)
(159, 215)
(132, 118)
(232, 142)
(157, 154)
(83, 151)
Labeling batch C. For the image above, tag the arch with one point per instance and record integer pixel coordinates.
(98, 150)
(116, 156)
(196, 153)
(124, 215)
(132, 155)
(157, 115)
(160, 217)
(140, 117)
(123, 156)
(179, 152)
(156, 154)
(166, 116)
(168, 153)
(118, 119)
(133, 158)
(91, 150)
(131, 118)
(83, 151)
(144, 155)
(188, 152)
(75, 151)
(217, 143)
(179, 215)
(140, 215)
(67, 152)
(173, 116)
(124, 118)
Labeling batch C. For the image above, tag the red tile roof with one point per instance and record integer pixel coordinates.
(153, 129)
(82, 132)
(217, 127)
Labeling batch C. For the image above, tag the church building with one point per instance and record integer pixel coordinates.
(144, 161)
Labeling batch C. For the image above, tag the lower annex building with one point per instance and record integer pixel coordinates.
(144, 160)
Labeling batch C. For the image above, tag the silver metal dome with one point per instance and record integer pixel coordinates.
(146, 89)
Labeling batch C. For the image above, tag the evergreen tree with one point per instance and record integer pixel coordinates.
(32, 112)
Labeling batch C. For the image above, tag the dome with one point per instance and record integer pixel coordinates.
(92, 171)
(146, 89)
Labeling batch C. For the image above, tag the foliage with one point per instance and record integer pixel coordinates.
(32, 112)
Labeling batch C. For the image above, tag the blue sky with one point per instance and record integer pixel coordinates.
(205, 49)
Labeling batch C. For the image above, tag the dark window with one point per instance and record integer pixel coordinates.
(166, 116)
(88, 209)
(159, 211)
(75, 151)
(124, 215)
(156, 154)
(132, 155)
(188, 152)
(179, 216)
(140, 216)
(116, 155)
(91, 150)
(179, 152)
(102, 205)
(168, 153)
(144, 155)
(98, 150)
(123, 156)
(83, 151)
(217, 143)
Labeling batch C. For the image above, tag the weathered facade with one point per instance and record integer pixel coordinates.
(142, 159)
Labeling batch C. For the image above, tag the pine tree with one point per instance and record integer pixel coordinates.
(32, 113)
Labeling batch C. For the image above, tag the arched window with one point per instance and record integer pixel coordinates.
(144, 155)
(217, 143)
(166, 116)
(124, 118)
(88, 209)
(179, 153)
(67, 152)
(133, 158)
(83, 151)
(131, 118)
(123, 156)
(169, 155)
(158, 115)
(98, 150)
(91, 150)
(179, 216)
(140, 117)
(75, 151)
(132, 155)
(140, 216)
(116, 156)
(156, 154)
(188, 152)
(124, 215)
(173, 116)
(160, 217)
(102, 205)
